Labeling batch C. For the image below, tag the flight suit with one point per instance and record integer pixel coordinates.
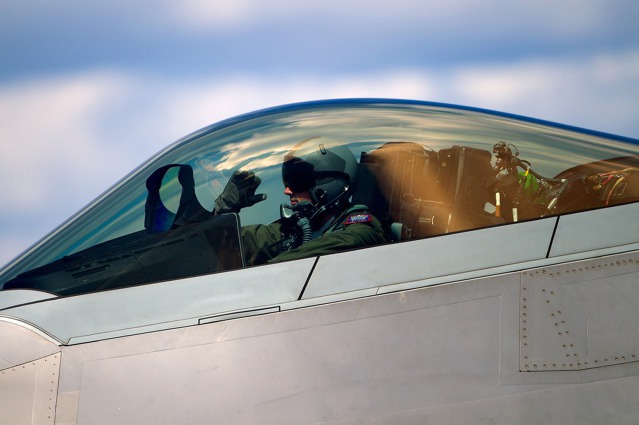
(354, 228)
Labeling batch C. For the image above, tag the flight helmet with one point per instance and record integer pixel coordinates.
(324, 167)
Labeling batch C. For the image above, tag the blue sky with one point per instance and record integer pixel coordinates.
(88, 90)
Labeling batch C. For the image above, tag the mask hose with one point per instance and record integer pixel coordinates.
(305, 226)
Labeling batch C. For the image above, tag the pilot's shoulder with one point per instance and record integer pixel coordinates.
(358, 217)
(358, 220)
(357, 214)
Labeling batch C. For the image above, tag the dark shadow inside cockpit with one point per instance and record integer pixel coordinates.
(185, 243)
(600, 184)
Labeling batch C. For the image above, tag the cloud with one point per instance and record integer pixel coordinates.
(462, 19)
(51, 128)
(567, 18)
(598, 93)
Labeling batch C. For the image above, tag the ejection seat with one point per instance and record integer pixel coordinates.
(418, 193)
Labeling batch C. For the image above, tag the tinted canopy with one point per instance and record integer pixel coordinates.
(424, 170)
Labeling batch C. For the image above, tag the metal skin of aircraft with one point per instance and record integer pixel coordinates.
(506, 293)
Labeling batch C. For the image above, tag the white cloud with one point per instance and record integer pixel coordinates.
(570, 18)
(200, 103)
(599, 93)
(50, 135)
(211, 15)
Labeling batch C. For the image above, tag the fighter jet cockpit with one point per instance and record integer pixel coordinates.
(421, 171)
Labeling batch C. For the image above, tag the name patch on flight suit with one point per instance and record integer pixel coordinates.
(358, 218)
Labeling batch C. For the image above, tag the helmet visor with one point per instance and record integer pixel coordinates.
(297, 174)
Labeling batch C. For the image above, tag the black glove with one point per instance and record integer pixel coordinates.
(239, 193)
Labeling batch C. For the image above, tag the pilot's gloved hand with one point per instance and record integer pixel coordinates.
(239, 193)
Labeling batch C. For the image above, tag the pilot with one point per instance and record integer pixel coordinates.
(319, 177)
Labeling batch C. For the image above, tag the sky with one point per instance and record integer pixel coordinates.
(90, 89)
